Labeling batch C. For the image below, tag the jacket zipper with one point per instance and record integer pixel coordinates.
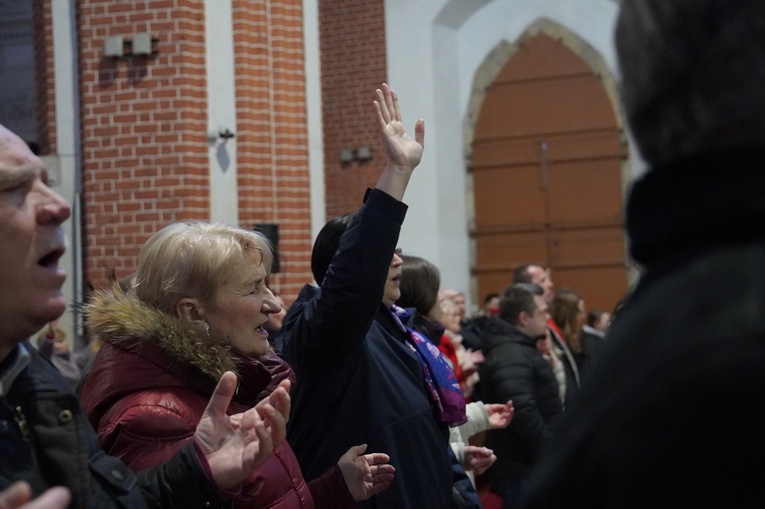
(26, 433)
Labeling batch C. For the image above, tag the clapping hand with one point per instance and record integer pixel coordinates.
(235, 445)
(365, 474)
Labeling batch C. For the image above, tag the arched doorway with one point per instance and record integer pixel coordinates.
(546, 163)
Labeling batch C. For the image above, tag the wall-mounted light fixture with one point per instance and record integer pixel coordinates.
(138, 44)
(223, 133)
(114, 46)
(358, 154)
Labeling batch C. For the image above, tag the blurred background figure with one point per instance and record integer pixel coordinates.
(569, 314)
(274, 324)
(466, 360)
(599, 320)
(552, 355)
(594, 332)
(53, 345)
(472, 329)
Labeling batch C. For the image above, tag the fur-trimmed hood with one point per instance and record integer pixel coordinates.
(125, 322)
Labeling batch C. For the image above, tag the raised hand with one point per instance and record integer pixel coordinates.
(18, 495)
(235, 445)
(365, 475)
(403, 152)
(500, 415)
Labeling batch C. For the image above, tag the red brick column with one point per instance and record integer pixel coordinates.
(272, 138)
(353, 64)
(145, 161)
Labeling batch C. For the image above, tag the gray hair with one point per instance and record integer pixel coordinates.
(194, 259)
(693, 74)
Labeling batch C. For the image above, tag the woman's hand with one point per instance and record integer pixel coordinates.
(365, 474)
(500, 415)
(403, 152)
(478, 459)
(235, 445)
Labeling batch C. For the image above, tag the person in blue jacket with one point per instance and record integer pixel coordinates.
(360, 377)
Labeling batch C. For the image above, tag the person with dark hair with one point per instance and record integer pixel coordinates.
(420, 283)
(515, 370)
(673, 413)
(532, 273)
(363, 378)
(472, 329)
(569, 315)
(45, 438)
(594, 332)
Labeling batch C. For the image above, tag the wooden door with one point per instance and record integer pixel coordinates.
(546, 164)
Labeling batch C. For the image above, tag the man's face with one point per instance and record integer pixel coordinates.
(31, 215)
(535, 323)
(392, 290)
(541, 277)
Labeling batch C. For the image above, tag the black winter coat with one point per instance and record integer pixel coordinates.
(45, 439)
(515, 370)
(673, 413)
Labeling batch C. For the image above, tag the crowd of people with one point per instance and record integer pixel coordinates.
(374, 389)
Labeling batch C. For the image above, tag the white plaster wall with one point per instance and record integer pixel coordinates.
(65, 166)
(221, 111)
(434, 49)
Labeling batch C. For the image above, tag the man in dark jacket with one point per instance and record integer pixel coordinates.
(538, 275)
(358, 378)
(515, 370)
(45, 439)
(673, 414)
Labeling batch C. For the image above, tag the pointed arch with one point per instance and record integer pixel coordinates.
(546, 154)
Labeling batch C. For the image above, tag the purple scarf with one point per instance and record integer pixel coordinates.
(443, 387)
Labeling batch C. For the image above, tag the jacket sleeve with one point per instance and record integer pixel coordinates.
(145, 435)
(514, 379)
(478, 419)
(180, 483)
(329, 490)
(330, 327)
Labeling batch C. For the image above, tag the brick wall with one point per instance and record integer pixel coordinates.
(353, 64)
(46, 106)
(145, 160)
(272, 139)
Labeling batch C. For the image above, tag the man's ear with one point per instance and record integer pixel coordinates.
(190, 310)
(523, 319)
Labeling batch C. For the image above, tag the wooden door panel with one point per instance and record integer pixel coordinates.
(508, 250)
(546, 162)
(541, 107)
(585, 192)
(601, 287)
(509, 196)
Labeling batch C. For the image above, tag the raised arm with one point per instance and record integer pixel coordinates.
(331, 324)
(403, 152)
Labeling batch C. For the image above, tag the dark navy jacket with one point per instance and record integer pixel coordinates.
(357, 381)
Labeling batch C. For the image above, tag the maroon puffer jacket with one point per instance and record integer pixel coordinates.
(145, 398)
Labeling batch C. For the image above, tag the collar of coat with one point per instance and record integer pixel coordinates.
(128, 323)
(696, 203)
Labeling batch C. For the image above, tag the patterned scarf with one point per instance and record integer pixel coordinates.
(443, 387)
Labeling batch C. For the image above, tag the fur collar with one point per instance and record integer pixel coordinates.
(125, 321)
